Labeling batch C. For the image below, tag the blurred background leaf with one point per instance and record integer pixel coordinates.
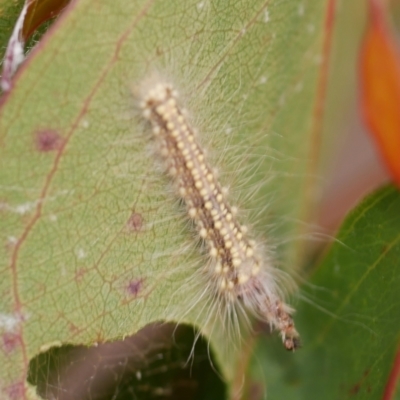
(349, 316)
(380, 83)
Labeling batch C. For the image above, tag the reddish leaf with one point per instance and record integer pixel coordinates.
(380, 83)
(40, 11)
(33, 14)
(392, 383)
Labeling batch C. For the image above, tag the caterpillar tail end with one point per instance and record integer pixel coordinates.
(285, 324)
(291, 340)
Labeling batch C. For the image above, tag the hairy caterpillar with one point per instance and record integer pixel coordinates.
(240, 271)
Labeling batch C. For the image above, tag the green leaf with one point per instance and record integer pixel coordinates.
(95, 244)
(9, 12)
(350, 322)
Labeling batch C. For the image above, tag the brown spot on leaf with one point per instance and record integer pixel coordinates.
(10, 342)
(47, 140)
(385, 249)
(355, 389)
(73, 328)
(135, 222)
(79, 274)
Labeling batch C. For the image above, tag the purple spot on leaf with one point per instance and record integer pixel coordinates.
(15, 391)
(10, 342)
(135, 286)
(135, 222)
(47, 140)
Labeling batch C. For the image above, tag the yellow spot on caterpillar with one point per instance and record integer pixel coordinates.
(243, 279)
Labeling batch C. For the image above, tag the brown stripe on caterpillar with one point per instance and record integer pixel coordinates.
(240, 271)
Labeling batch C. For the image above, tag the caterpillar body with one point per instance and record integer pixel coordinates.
(240, 272)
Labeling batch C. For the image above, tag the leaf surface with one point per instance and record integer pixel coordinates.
(94, 243)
